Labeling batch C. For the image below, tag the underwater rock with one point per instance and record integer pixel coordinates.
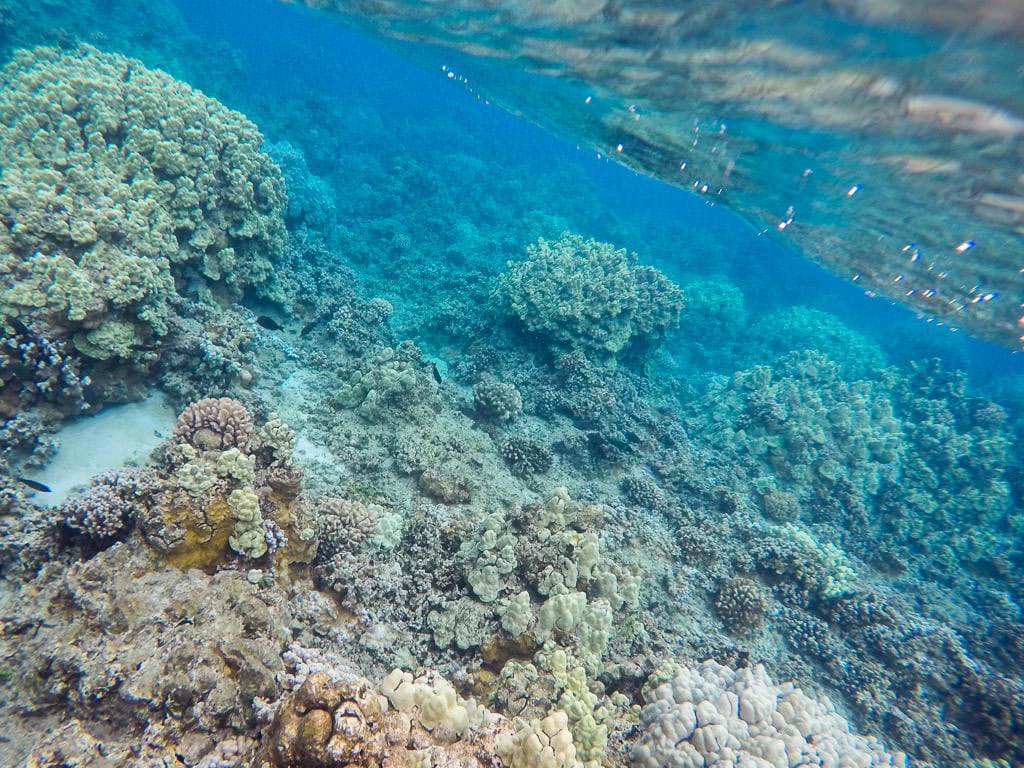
(129, 646)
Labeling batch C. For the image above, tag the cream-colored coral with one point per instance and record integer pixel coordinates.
(540, 743)
(586, 295)
(114, 178)
(236, 465)
(278, 437)
(712, 714)
(432, 700)
(494, 558)
(247, 539)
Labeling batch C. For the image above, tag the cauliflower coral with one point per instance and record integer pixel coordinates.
(589, 296)
(116, 181)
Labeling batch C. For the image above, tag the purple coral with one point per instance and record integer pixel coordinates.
(215, 423)
(33, 369)
(110, 505)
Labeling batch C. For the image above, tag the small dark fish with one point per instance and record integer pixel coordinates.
(308, 327)
(269, 323)
(631, 436)
(437, 373)
(19, 325)
(622, 445)
(607, 446)
(35, 485)
(144, 347)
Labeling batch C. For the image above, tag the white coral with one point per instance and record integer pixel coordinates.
(713, 716)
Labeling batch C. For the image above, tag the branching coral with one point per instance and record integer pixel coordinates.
(215, 423)
(496, 400)
(110, 504)
(526, 457)
(740, 603)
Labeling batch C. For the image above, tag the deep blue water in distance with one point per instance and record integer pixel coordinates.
(292, 51)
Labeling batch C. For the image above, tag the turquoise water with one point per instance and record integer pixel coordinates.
(769, 464)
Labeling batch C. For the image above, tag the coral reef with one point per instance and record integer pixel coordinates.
(388, 381)
(310, 199)
(813, 329)
(347, 723)
(35, 369)
(585, 295)
(714, 715)
(127, 647)
(117, 182)
(371, 505)
(229, 487)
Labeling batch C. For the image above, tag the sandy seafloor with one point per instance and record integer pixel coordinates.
(432, 419)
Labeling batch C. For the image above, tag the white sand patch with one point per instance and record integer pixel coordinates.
(306, 452)
(297, 397)
(299, 392)
(118, 436)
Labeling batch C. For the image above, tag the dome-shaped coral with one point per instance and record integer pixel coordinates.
(586, 295)
(116, 179)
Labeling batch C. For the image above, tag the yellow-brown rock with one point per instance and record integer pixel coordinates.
(205, 537)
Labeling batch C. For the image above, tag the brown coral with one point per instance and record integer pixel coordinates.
(215, 423)
(348, 724)
(741, 604)
(348, 523)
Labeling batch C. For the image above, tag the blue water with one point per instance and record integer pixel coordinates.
(292, 53)
(411, 152)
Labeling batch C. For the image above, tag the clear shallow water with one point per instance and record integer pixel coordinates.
(677, 230)
(859, 133)
(413, 188)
